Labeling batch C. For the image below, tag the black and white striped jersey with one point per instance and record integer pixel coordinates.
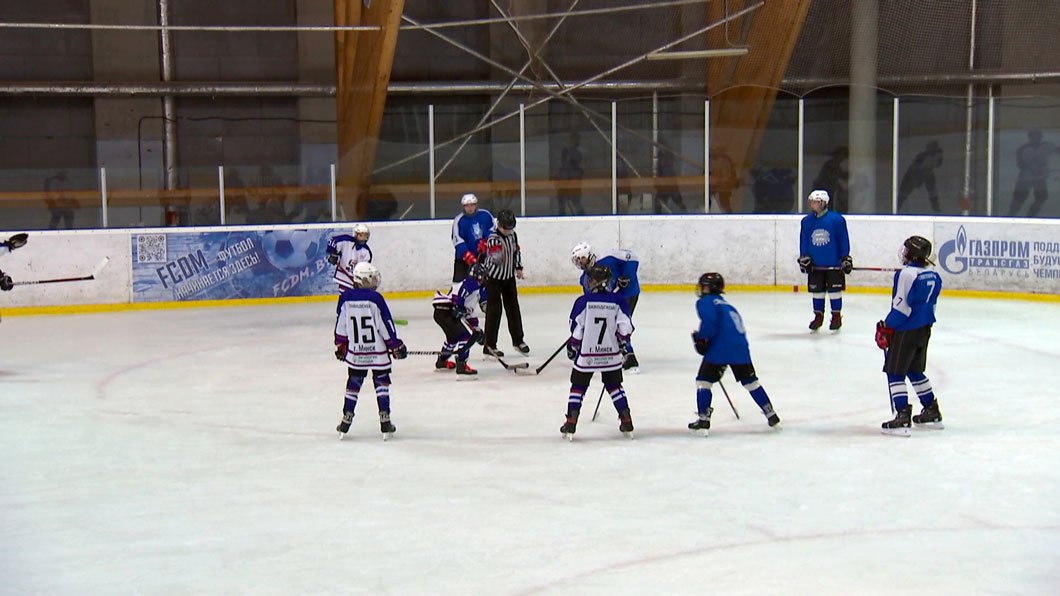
(503, 256)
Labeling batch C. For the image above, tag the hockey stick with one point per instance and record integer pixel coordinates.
(889, 269)
(726, 392)
(514, 367)
(598, 400)
(90, 276)
(424, 352)
(538, 370)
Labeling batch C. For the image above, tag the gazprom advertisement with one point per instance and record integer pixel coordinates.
(1019, 258)
(231, 264)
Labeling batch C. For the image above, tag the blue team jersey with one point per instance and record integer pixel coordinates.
(469, 229)
(824, 238)
(913, 298)
(620, 262)
(722, 327)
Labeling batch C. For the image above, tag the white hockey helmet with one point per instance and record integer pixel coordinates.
(820, 195)
(469, 199)
(366, 275)
(582, 255)
(360, 230)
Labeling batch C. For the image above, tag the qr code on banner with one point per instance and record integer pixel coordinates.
(151, 248)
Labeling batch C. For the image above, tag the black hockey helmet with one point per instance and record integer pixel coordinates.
(478, 273)
(599, 278)
(710, 283)
(916, 249)
(506, 219)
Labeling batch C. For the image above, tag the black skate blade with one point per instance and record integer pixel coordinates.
(904, 431)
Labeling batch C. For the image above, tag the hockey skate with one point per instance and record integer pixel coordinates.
(491, 352)
(898, 427)
(629, 363)
(701, 425)
(625, 423)
(385, 426)
(837, 321)
(344, 426)
(522, 347)
(930, 417)
(570, 426)
(818, 320)
(771, 416)
(443, 364)
(464, 372)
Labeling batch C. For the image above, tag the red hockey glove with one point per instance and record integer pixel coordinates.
(700, 344)
(469, 258)
(341, 349)
(481, 246)
(883, 335)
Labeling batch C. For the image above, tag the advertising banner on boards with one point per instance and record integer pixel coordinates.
(987, 256)
(223, 265)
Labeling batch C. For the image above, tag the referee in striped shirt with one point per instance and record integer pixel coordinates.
(504, 263)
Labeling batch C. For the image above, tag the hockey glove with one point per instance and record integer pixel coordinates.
(333, 258)
(5, 282)
(700, 344)
(804, 263)
(398, 350)
(469, 258)
(477, 337)
(572, 348)
(848, 264)
(622, 282)
(481, 247)
(341, 349)
(883, 335)
(17, 241)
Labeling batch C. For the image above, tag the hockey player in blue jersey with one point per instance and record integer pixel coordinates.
(722, 341)
(471, 228)
(345, 251)
(365, 340)
(600, 331)
(904, 337)
(455, 314)
(824, 256)
(623, 266)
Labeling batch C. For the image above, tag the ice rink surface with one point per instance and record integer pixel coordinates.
(194, 452)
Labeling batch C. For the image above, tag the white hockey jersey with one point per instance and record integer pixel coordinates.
(350, 253)
(365, 324)
(601, 323)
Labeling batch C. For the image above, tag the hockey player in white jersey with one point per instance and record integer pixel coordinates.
(600, 332)
(365, 340)
(345, 251)
(455, 312)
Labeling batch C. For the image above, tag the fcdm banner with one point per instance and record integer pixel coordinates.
(231, 264)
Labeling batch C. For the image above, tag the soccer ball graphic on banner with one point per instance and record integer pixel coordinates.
(290, 249)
